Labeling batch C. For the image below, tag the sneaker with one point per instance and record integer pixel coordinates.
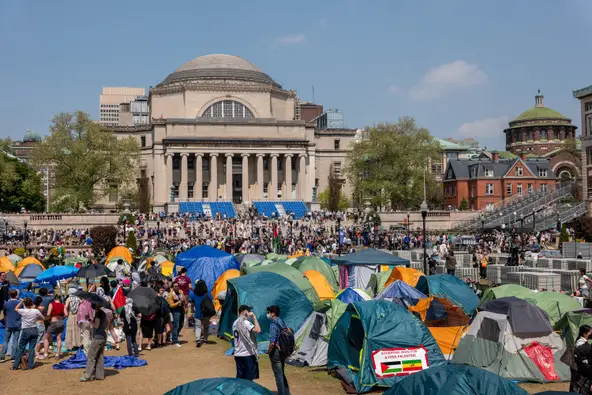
(3, 360)
(177, 345)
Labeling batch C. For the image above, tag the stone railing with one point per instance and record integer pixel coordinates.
(61, 221)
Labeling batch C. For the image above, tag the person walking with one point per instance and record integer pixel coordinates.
(12, 324)
(450, 263)
(203, 307)
(130, 327)
(28, 336)
(276, 358)
(95, 363)
(73, 336)
(176, 300)
(245, 344)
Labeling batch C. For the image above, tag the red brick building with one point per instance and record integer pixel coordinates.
(483, 182)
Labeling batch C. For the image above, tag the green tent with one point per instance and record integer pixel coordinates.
(272, 256)
(504, 291)
(555, 304)
(306, 263)
(377, 281)
(376, 343)
(72, 261)
(334, 314)
(291, 274)
(220, 386)
(570, 323)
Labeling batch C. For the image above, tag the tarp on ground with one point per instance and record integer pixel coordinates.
(453, 289)
(377, 282)
(306, 263)
(569, 325)
(455, 380)
(369, 256)
(555, 304)
(120, 251)
(78, 361)
(504, 291)
(320, 284)
(291, 274)
(260, 290)
(220, 386)
(206, 263)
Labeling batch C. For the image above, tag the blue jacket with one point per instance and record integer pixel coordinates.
(197, 300)
(13, 319)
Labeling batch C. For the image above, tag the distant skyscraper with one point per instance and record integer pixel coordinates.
(111, 98)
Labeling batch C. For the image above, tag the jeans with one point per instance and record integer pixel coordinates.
(202, 329)
(28, 337)
(177, 315)
(131, 341)
(277, 365)
(95, 362)
(8, 334)
(452, 272)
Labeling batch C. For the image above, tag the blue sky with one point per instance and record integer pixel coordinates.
(462, 68)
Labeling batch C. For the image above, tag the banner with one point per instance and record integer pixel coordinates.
(391, 362)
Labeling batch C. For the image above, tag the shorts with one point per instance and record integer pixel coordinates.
(56, 327)
(247, 367)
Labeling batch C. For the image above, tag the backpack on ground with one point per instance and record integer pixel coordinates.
(285, 343)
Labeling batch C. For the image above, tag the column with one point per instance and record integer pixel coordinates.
(274, 177)
(213, 177)
(229, 176)
(197, 192)
(245, 171)
(169, 175)
(260, 178)
(288, 178)
(183, 186)
(159, 172)
(302, 177)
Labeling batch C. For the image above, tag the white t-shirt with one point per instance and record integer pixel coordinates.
(245, 343)
(583, 282)
(29, 317)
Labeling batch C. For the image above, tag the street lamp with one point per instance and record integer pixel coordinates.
(25, 236)
(157, 234)
(424, 213)
(482, 223)
(367, 211)
(290, 222)
(408, 234)
(4, 237)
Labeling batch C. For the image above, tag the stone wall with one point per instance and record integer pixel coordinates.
(61, 221)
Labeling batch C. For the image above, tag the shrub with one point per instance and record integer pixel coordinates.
(20, 252)
(103, 239)
(131, 241)
(564, 237)
(464, 205)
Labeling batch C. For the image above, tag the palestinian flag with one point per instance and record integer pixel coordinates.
(401, 367)
(276, 238)
(118, 299)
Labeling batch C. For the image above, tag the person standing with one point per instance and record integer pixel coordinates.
(176, 300)
(184, 283)
(277, 360)
(130, 327)
(95, 362)
(13, 325)
(451, 263)
(245, 344)
(203, 310)
(4, 290)
(29, 317)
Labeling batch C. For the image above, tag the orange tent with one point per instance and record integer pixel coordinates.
(120, 251)
(297, 255)
(26, 262)
(405, 274)
(221, 285)
(320, 284)
(6, 265)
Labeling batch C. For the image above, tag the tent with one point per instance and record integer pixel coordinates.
(453, 289)
(6, 265)
(28, 272)
(334, 313)
(320, 284)
(220, 285)
(14, 258)
(243, 258)
(513, 339)
(306, 263)
(403, 291)
(26, 262)
(375, 343)
(78, 262)
(455, 380)
(206, 263)
(220, 386)
(555, 304)
(350, 295)
(569, 325)
(291, 274)
(120, 252)
(377, 282)
(312, 342)
(413, 277)
(505, 290)
(111, 265)
(259, 290)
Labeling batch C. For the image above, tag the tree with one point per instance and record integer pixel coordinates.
(564, 236)
(20, 186)
(464, 205)
(87, 159)
(583, 227)
(390, 162)
(103, 238)
(333, 198)
(131, 241)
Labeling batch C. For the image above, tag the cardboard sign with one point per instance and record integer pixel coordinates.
(390, 362)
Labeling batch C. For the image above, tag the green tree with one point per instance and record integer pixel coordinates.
(103, 239)
(20, 186)
(464, 205)
(564, 236)
(131, 241)
(389, 163)
(333, 198)
(87, 159)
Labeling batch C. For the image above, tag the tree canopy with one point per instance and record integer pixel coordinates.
(20, 186)
(87, 160)
(388, 165)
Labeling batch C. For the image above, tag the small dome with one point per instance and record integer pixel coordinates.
(219, 61)
(540, 113)
(31, 136)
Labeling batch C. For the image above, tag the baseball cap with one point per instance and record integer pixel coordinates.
(243, 308)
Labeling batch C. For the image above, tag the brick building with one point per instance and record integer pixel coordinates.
(484, 182)
(584, 95)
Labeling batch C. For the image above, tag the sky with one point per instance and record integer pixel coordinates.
(461, 68)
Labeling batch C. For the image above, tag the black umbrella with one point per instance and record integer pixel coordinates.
(93, 298)
(146, 300)
(152, 277)
(93, 271)
(12, 279)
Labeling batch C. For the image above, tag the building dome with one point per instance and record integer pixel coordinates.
(31, 136)
(539, 111)
(218, 67)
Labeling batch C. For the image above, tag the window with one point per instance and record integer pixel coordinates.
(190, 190)
(176, 190)
(452, 155)
(204, 190)
(542, 172)
(489, 189)
(293, 165)
(143, 141)
(519, 171)
(589, 128)
(337, 169)
(336, 144)
(529, 188)
(543, 187)
(227, 109)
(589, 106)
(543, 134)
(509, 189)
(519, 189)
(113, 195)
(266, 188)
(488, 172)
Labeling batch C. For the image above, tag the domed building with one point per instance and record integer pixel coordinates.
(543, 132)
(223, 130)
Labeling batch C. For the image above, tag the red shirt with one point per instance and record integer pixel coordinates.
(183, 282)
(57, 309)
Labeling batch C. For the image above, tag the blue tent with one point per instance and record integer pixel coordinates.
(351, 295)
(260, 290)
(455, 380)
(30, 272)
(220, 386)
(401, 290)
(453, 289)
(206, 263)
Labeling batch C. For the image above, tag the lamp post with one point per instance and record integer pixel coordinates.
(339, 235)
(424, 213)
(25, 236)
(291, 223)
(157, 234)
(534, 221)
(408, 234)
(5, 222)
(482, 223)
(367, 211)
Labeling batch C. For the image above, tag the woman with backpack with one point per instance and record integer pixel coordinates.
(203, 307)
(281, 346)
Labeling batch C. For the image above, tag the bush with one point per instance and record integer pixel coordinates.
(583, 227)
(564, 237)
(103, 239)
(20, 252)
(464, 205)
(131, 241)
(130, 218)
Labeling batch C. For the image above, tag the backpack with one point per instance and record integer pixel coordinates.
(207, 308)
(285, 343)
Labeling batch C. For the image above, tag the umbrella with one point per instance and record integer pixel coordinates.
(56, 273)
(153, 276)
(93, 298)
(94, 270)
(146, 300)
(12, 279)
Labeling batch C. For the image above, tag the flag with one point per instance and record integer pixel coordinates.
(276, 238)
(118, 299)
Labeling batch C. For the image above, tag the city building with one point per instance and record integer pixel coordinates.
(584, 95)
(449, 151)
(484, 182)
(110, 100)
(224, 130)
(308, 111)
(136, 112)
(24, 148)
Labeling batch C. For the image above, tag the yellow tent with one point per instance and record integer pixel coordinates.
(166, 268)
(407, 275)
(120, 251)
(297, 255)
(26, 262)
(6, 265)
(221, 285)
(320, 284)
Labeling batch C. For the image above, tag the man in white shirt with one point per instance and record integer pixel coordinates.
(245, 344)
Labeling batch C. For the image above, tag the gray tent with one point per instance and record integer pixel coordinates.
(312, 342)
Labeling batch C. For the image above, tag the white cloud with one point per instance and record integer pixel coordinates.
(489, 132)
(294, 39)
(393, 89)
(447, 77)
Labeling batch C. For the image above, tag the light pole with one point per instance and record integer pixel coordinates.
(534, 221)
(25, 237)
(424, 213)
(291, 223)
(157, 234)
(4, 237)
(339, 235)
(408, 234)
(367, 211)
(482, 223)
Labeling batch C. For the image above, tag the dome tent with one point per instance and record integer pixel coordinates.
(306, 263)
(505, 290)
(453, 289)
(220, 386)
(375, 342)
(206, 263)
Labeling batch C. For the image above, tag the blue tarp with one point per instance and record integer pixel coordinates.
(451, 288)
(220, 386)
(78, 361)
(401, 290)
(206, 263)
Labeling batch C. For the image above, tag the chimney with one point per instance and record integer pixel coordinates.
(523, 155)
(494, 156)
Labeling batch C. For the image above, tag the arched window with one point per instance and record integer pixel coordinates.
(227, 109)
(543, 134)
